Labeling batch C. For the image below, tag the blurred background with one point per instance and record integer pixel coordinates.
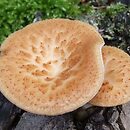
(110, 17)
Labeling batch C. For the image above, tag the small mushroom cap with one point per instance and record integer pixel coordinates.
(52, 67)
(116, 86)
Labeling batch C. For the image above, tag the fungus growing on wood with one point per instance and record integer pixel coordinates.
(52, 67)
(116, 86)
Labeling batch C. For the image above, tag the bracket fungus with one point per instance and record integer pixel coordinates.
(116, 86)
(52, 67)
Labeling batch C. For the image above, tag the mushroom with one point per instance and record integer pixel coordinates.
(52, 67)
(116, 86)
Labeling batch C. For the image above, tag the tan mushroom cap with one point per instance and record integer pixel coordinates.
(52, 67)
(116, 87)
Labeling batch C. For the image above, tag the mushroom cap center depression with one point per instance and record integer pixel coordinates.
(51, 59)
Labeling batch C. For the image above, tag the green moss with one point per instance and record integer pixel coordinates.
(15, 14)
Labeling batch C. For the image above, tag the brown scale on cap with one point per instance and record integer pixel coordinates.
(52, 67)
(116, 87)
